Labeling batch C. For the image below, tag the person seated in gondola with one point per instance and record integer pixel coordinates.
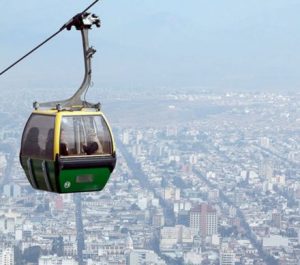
(31, 144)
(93, 145)
(49, 143)
(63, 147)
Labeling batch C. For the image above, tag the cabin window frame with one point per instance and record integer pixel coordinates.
(45, 139)
(104, 135)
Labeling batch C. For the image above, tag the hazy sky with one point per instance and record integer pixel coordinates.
(230, 44)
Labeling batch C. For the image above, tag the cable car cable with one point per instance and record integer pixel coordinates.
(34, 49)
(48, 39)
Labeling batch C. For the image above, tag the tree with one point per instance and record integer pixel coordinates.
(32, 254)
(18, 256)
(58, 246)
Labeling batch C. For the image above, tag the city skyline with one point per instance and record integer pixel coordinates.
(238, 159)
(204, 104)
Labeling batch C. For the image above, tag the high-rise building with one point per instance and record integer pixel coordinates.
(203, 218)
(129, 242)
(125, 137)
(183, 218)
(59, 203)
(213, 195)
(266, 169)
(143, 256)
(276, 219)
(7, 224)
(3, 163)
(265, 142)
(172, 193)
(158, 219)
(193, 257)
(7, 256)
(193, 159)
(12, 190)
(139, 137)
(172, 236)
(54, 260)
(227, 256)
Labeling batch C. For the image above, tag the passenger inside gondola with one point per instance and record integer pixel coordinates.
(31, 144)
(63, 147)
(87, 135)
(93, 145)
(49, 144)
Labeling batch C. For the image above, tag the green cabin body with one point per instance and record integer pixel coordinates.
(67, 151)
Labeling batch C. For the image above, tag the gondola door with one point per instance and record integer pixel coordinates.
(36, 155)
(85, 166)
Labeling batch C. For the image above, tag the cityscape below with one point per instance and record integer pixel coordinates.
(202, 178)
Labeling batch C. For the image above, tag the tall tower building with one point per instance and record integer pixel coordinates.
(203, 218)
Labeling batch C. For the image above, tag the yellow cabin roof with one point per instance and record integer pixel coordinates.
(55, 112)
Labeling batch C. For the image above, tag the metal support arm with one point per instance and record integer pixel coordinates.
(82, 22)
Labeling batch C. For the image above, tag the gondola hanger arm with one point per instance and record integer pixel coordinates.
(82, 22)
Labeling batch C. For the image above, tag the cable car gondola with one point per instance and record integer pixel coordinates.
(67, 146)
